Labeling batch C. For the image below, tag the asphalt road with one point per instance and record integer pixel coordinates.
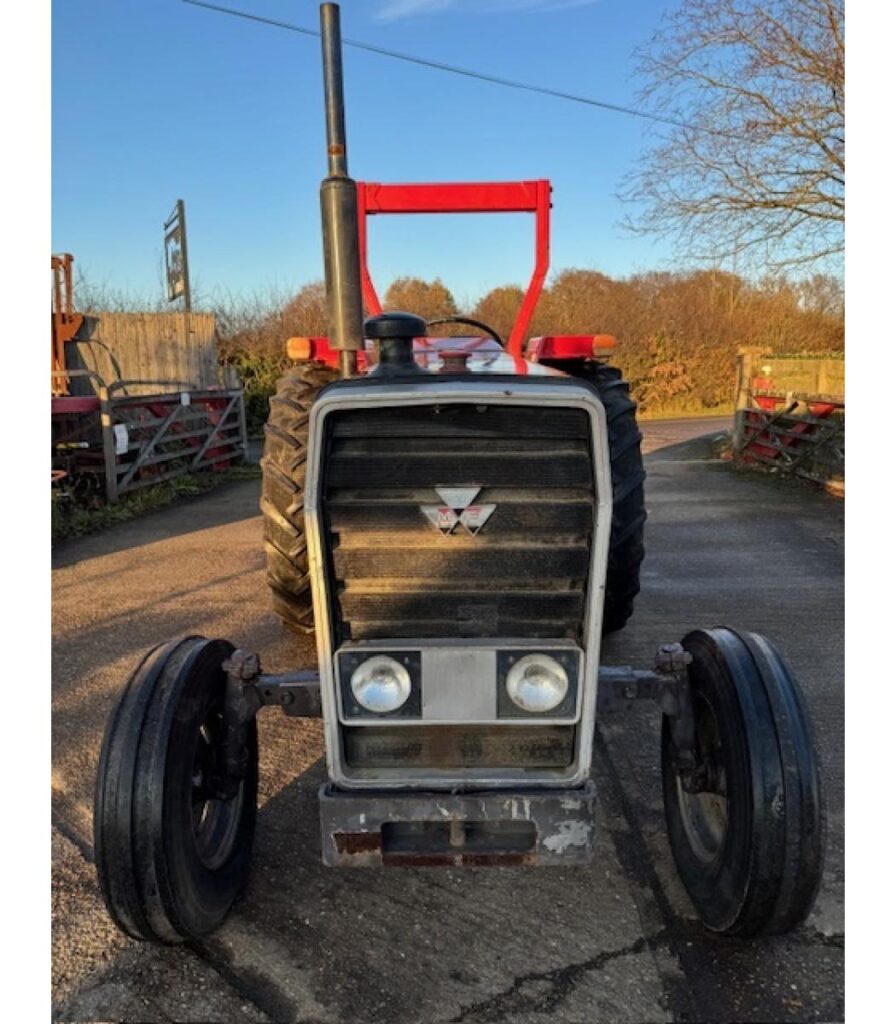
(613, 943)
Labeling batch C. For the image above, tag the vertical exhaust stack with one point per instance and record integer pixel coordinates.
(339, 208)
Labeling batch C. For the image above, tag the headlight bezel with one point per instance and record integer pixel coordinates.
(537, 683)
(408, 661)
(567, 660)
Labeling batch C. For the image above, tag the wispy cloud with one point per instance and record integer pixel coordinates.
(392, 10)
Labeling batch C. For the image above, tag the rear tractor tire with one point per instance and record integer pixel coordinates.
(283, 493)
(629, 514)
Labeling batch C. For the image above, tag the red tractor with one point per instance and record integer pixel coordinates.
(582, 356)
(468, 521)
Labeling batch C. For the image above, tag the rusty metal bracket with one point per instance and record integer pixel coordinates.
(247, 691)
(668, 686)
(297, 694)
(618, 686)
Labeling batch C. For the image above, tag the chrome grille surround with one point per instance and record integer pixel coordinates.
(538, 392)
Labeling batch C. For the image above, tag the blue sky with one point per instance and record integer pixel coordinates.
(154, 99)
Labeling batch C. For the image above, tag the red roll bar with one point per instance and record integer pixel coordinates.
(467, 197)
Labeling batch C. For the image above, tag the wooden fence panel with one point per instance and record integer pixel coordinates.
(146, 346)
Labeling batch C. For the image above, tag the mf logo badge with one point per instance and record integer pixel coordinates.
(458, 507)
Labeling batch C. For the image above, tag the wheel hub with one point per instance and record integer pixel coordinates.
(215, 811)
(702, 791)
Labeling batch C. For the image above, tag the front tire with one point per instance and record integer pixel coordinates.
(748, 839)
(171, 853)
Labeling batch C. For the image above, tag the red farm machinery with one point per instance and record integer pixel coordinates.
(135, 398)
(467, 520)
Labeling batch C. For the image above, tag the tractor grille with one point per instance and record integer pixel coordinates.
(394, 575)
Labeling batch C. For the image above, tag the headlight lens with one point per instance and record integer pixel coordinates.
(381, 684)
(537, 683)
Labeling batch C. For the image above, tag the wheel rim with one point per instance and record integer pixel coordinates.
(704, 815)
(215, 820)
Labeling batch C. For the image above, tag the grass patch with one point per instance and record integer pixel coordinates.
(74, 518)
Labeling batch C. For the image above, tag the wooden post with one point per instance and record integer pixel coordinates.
(244, 437)
(182, 217)
(110, 459)
(746, 371)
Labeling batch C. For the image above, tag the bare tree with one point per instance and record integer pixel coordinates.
(755, 168)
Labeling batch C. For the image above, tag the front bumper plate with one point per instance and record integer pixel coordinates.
(415, 828)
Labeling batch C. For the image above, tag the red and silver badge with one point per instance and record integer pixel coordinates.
(458, 508)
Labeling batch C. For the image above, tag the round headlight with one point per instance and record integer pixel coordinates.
(537, 682)
(381, 684)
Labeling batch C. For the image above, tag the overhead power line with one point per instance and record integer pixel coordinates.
(467, 72)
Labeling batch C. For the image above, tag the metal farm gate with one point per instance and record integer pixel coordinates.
(791, 415)
(146, 402)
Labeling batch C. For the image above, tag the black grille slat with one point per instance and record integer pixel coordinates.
(556, 606)
(567, 517)
(395, 575)
(514, 565)
(418, 469)
(459, 421)
(482, 627)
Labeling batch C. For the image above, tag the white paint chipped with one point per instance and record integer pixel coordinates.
(569, 833)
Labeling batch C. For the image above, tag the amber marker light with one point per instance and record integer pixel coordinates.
(300, 349)
(602, 343)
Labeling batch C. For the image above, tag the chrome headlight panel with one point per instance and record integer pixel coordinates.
(462, 682)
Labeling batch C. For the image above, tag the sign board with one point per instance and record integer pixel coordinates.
(177, 274)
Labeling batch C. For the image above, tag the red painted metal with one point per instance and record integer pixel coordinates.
(428, 353)
(64, 323)
(321, 352)
(762, 442)
(74, 404)
(464, 197)
(561, 346)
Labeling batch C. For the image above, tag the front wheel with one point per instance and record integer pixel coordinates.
(747, 827)
(172, 835)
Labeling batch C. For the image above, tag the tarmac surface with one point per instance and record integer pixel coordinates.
(616, 942)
